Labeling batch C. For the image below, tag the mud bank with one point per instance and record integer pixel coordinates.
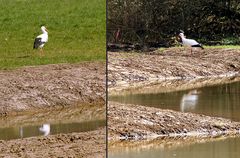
(131, 70)
(50, 86)
(71, 114)
(88, 144)
(138, 122)
(165, 86)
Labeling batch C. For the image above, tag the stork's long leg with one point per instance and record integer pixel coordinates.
(41, 51)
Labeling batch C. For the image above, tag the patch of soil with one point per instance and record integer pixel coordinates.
(138, 122)
(86, 145)
(48, 86)
(65, 115)
(166, 86)
(126, 69)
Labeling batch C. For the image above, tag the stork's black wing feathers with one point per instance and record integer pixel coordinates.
(198, 45)
(37, 43)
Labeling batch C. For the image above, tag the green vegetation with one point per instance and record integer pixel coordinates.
(77, 31)
(155, 23)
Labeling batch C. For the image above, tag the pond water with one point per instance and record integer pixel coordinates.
(47, 129)
(54, 121)
(221, 100)
(227, 148)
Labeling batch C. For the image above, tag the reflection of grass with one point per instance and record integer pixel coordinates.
(76, 31)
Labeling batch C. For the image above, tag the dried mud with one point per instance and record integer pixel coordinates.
(51, 86)
(166, 86)
(132, 70)
(138, 122)
(85, 145)
(71, 114)
(54, 93)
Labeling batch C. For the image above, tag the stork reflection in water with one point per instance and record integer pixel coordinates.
(45, 129)
(189, 101)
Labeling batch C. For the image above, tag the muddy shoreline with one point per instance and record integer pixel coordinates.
(168, 70)
(134, 70)
(166, 86)
(86, 144)
(81, 113)
(49, 86)
(162, 143)
(54, 93)
(135, 122)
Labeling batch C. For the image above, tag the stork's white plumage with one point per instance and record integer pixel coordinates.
(41, 39)
(189, 42)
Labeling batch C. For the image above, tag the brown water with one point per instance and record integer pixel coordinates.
(221, 100)
(54, 121)
(47, 129)
(227, 148)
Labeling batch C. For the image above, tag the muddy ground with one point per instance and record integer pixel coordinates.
(166, 86)
(131, 70)
(82, 145)
(54, 93)
(50, 86)
(137, 122)
(82, 113)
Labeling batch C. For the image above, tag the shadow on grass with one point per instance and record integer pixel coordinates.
(24, 56)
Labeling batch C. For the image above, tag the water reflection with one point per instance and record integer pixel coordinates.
(21, 132)
(189, 101)
(220, 100)
(217, 148)
(45, 129)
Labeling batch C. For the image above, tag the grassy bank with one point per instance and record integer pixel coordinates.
(76, 31)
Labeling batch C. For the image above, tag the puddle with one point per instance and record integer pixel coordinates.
(47, 129)
(226, 148)
(66, 120)
(222, 100)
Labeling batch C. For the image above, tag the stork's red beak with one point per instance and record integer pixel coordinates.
(46, 29)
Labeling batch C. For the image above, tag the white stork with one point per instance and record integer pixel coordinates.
(41, 39)
(189, 42)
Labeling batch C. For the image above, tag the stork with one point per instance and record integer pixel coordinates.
(41, 39)
(189, 42)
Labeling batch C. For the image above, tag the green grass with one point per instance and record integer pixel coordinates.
(77, 31)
